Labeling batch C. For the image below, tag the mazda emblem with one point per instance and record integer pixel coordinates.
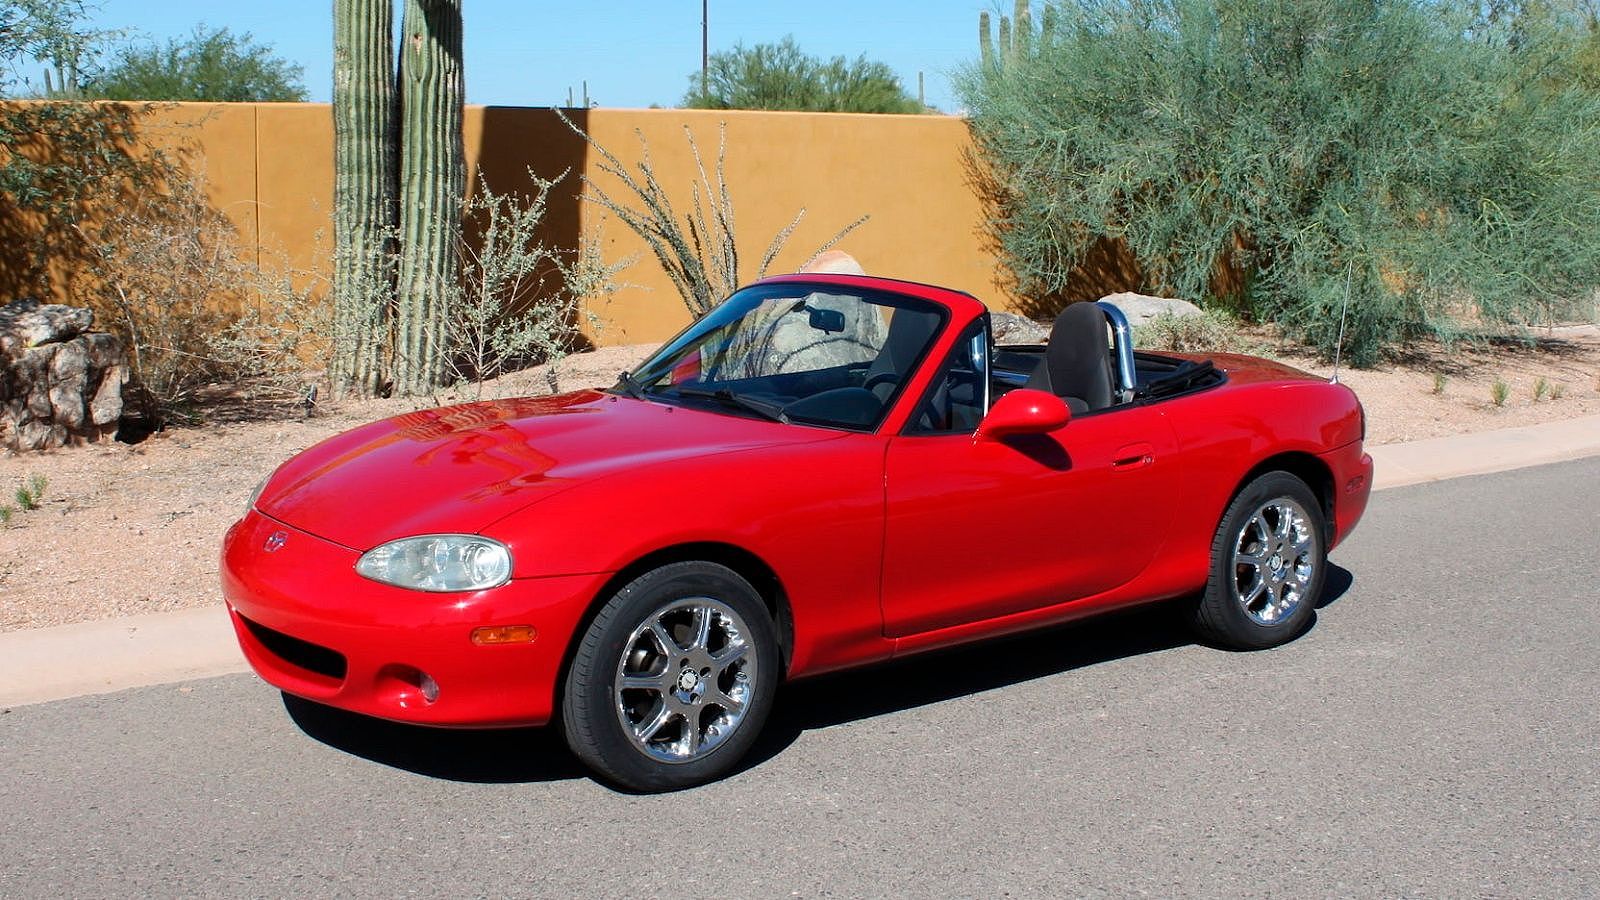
(275, 542)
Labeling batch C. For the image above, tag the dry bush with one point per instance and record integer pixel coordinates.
(521, 301)
(1210, 332)
(193, 309)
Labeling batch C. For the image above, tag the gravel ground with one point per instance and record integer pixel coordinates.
(131, 529)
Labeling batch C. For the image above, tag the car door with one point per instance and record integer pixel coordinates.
(980, 529)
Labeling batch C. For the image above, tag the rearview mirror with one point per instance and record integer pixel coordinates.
(1024, 411)
(828, 321)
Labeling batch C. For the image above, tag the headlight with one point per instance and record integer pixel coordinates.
(438, 562)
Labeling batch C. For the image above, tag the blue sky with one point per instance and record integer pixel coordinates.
(631, 52)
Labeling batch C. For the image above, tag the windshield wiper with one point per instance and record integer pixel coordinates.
(631, 386)
(763, 408)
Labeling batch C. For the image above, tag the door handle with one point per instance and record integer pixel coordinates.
(1134, 456)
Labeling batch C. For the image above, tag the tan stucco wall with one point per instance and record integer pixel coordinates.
(270, 167)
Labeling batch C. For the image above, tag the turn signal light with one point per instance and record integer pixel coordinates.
(504, 634)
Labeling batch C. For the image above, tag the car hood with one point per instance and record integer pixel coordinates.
(458, 469)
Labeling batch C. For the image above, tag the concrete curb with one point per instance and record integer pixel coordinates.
(111, 655)
(114, 654)
(1454, 456)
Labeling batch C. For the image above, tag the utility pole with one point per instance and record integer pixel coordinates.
(705, 45)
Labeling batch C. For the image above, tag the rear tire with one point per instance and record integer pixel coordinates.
(673, 680)
(1268, 561)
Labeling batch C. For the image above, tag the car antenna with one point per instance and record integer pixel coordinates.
(1344, 310)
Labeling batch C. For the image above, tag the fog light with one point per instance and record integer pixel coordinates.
(404, 685)
(503, 634)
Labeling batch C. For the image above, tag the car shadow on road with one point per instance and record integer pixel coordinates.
(946, 675)
(503, 756)
(496, 756)
(1338, 582)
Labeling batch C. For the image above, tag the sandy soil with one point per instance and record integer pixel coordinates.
(130, 529)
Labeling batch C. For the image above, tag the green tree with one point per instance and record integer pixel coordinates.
(51, 32)
(782, 76)
(57, 160)
(214, 65)
(1434, 162)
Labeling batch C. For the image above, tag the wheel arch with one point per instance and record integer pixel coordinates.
(1304, 466)
(742, 562)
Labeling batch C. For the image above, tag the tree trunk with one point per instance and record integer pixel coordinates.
(365, 179)
(432, 188)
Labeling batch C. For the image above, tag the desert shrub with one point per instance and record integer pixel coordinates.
(1213, 331)
(31, 491)
(1433, 163)
(193, 308)
(520, 301)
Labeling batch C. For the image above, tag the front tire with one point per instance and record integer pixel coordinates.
(672, 681)
(1268, 561)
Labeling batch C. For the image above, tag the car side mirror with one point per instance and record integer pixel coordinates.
(1024, 411)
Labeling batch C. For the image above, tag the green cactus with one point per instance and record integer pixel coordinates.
(1016, 33)
(365, 171)
(432, 189)
(1022, 29)
(65, 84)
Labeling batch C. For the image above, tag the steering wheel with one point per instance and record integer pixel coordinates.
(881, 378)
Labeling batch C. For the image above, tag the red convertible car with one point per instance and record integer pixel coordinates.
(823, 472)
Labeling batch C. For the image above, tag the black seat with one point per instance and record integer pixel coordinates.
(909, 331)
(1077, 362)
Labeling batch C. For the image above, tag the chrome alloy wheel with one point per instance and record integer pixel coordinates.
(685, 679)
(1274, 560)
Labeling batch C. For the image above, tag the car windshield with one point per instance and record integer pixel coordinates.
(828, 355)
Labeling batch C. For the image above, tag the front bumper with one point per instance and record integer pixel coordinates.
(310, 626)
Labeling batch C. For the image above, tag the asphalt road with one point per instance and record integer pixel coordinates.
(1437, 733)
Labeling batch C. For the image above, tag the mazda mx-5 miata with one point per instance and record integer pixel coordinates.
(825, 471)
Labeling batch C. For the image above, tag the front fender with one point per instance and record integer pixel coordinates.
(813, 512)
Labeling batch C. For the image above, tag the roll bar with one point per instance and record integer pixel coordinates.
(1122, 344)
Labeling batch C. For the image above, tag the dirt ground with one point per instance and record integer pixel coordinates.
(131, 529)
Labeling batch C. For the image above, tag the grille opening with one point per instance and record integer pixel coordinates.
(303, 654)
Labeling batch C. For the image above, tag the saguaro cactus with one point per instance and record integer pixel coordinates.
(363, 188)
(1016, 34)
(432, 187)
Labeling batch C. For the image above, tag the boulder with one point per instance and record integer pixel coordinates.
(789, 339)
(29, 323)
(60, 383)
(1141, 308)
(1010, 328)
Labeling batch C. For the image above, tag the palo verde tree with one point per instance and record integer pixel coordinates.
(58, 161)
(1433, 163)
(782, 76)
